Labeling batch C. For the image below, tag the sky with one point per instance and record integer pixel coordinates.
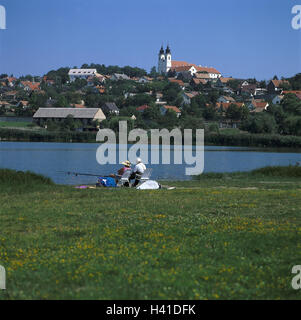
(242, 39)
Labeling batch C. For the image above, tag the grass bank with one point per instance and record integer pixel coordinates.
(219, 237)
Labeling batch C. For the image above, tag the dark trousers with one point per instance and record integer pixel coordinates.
(134, 176)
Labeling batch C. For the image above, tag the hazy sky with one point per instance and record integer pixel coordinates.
(239, 38)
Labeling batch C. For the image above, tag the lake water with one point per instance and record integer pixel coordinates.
(50, 158)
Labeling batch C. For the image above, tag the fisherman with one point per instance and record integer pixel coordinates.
(137, 172)
(127, 166)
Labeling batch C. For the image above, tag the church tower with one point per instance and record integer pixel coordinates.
(161, 63)
(168, 59)
(164, 63)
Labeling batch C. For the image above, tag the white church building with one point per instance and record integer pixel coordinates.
(165, 64)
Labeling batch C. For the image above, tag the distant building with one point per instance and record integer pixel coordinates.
(30, 86)
(119, 76)
(187, 96)
(226, 99)
(81, 74)
(142, 108)
(145, 79)
(258, 106)
(85, 115)
(276, 86)
(164, 109)
(165, 64)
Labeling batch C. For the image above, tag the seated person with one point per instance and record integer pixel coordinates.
(127, 166)
(138, 171)
(121, 171)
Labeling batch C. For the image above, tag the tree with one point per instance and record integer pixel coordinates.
(233, 84)
(291, 104)
(2, 110)
(260, 123)
(234, 112)
(153, 73)
(61, 102)
(209, 113)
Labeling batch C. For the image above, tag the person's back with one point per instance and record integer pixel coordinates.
(140, 168)
(138, 171)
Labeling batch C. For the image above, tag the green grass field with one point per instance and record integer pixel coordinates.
(18, 125)
(234, 236)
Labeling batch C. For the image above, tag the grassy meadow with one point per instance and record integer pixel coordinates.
(220, 236)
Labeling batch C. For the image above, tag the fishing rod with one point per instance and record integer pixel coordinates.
(83, 174)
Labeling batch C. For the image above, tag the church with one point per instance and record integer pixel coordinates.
(165, 64)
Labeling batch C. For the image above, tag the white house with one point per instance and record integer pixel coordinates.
(119, 76)
(81, 74)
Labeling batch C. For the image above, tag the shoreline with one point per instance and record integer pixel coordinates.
(211, 139)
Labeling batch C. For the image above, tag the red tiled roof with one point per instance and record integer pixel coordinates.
(10, 79)
(191, 94)
(225, 80)
(79, 106)
(278, 83)
(198, 81)
(179, 82)
(209, 70)
(182, 68)
(200, 75)
(292, 91)
(176, 64)
(225, 106)
(174, 108)
(142, 108)
(32, 85)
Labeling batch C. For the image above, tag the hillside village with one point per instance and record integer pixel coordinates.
(175, 94)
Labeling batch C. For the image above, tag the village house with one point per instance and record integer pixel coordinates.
(22, 103)
(226, 99)
(164, 109)
(223, 106)
(11, 81)
(276, 86)
(187, 96)
(165, 64)
(145, 79)
(30, 86)
(142, 108)
(248, 89)
(119, 76)
(258, 106)
(202, 76)
(179, 82)
(86, 115)
(47, 81)
(81, 74)
(222, 82)
(10, 95)
(196, 81)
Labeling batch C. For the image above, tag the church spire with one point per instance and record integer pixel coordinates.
(168, 50)
(161, 50)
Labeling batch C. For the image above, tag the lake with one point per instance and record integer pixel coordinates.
(50, 158)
